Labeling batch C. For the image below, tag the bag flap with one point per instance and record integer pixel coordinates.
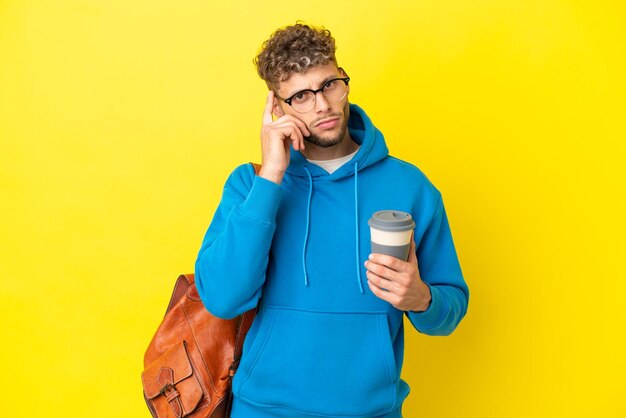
(172, 367)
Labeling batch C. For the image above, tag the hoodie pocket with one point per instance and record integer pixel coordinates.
(321, 363)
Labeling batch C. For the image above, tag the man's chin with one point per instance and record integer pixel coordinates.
(323, 142)
(330, 139)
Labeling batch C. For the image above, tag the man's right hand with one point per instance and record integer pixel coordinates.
(276, 138)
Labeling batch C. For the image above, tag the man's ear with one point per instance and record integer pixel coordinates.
(344, 74)
(277, 110)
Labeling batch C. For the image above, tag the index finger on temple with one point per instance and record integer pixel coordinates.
(267, 113)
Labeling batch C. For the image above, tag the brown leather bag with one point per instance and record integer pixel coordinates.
(192, 358)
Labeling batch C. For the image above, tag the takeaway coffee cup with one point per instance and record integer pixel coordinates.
(391, 233)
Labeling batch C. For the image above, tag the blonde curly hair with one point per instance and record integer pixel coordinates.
(294, 49)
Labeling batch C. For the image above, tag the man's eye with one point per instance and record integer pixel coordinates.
(300, 97)
(330, 84)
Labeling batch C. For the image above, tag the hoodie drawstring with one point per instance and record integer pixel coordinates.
(306, 234)
(356, 224)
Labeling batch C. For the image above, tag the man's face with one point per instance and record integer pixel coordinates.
(327, 122)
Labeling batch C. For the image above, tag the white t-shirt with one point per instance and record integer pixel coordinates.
(332, 165)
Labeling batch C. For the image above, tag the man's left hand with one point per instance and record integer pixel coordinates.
(398, 282)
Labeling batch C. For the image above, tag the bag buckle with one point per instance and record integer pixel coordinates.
(166, 387)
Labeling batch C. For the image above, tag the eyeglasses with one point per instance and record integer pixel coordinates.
(334, 90)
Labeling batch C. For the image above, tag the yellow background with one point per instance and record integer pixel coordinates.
(120, 121)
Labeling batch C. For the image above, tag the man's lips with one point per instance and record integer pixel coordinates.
(327, 123)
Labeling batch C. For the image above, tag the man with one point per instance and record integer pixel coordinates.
(328, 338)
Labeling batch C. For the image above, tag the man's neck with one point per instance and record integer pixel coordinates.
(315, 152)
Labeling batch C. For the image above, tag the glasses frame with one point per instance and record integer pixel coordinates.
(288, 100)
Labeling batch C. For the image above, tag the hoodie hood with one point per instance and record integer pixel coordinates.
(363, 132)
(372, 149)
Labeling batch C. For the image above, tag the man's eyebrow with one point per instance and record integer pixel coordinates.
(324, 81)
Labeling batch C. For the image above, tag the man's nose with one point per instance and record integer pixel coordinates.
(321, 103)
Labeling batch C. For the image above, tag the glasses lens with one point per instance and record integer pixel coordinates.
(303, 101)
(334, 91)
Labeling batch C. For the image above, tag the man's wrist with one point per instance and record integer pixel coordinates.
(270, 174)
(425, 300)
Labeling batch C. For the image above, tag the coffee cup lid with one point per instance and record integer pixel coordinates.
(391, 220)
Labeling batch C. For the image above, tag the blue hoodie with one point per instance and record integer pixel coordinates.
(322, 344)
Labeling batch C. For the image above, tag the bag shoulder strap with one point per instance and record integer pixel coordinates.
(243, 328)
